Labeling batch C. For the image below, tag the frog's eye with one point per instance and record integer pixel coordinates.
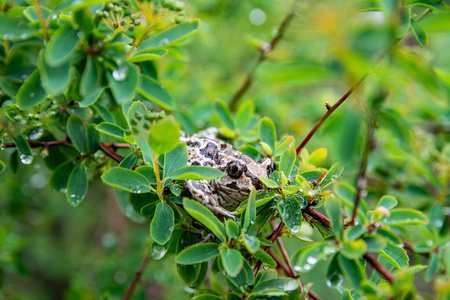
(235, 169)
(269, 164)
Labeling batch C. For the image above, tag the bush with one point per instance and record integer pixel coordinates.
(82, 93)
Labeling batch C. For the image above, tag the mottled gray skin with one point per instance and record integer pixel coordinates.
(242, 172)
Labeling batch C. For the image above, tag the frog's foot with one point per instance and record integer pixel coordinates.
(201, 191)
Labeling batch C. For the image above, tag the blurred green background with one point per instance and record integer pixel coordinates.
(50, 250)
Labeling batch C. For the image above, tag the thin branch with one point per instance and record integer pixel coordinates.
(41, 19)
(361, 181)
(272, 237)
(292, 272)
(279, 262)
(317, 216)
(111, 153)
(379, 267)
(264, 50)
(329, 112)
(137, 277)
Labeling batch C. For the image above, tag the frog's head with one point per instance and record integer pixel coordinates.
(241, 175)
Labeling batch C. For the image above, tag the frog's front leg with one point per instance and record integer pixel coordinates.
(201, 191)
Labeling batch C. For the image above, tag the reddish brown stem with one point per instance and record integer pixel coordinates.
(111, 153)
(291, 272)
(137, 278)
(379, 267)
(329, 112)
(317, 216)
(279, 262)
(273, 237)
(262, 56)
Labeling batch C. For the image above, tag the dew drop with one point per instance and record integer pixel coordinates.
(165, 41)
(35, 133)
(157, 251)
(311, 260)
(257, 17)
(438, 223)
(23, 36)
(295, 229)
(307, 267)
(80, 34)
(120, 74)
(171, 228)
(32, 94)
(26, 159)
(335, 281)
(72, 195)
(297, 268)
(135, 189)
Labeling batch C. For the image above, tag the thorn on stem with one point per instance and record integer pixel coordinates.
(327, 105)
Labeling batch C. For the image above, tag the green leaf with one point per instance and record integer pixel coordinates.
(13, 162)
(175, 159)
(284, 284)
(93, 139)
(139, 201)
(244, 278)
(197, 253)
(251, 243)
(244, 114)
(374, 243)
(205, 216)
(92, 98)
(419, 33)
(232, 261)
(140, 138)
(126, 180)
(354, 249)
(60, 177)
(31, 92)
(162, 223)
(250, 212)
(170, 36)
(111, 130)
(90, 79)
(196, 173)
(2, 167)
(128, 162)
(77, 133)
(334, 172)
(317, 156)
(333, 209)
(76, 4)
(353, 269)
(291, 213)
(433, 267)
(77, 185)
(123, 82)
(388, 201)
(151, 90)
(269, 183)
(62, 45)
(54, 79)
(433, 4)
(147, 55)
(395, 255)
(369, 5)
(305, 259)
(334, 273)
(232, 229)
(355, 232)
(267, 133)
(389, 236)
(25, 154)
(403, 216)
(164, 135)
(224, 114)
(287, 161)
(148, 172)
(265, 258)
(13, 29)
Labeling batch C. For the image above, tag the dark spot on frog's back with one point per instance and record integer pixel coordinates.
(210, 150)
(192, 144)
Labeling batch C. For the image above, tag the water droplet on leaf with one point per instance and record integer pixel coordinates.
(120, 74)
(26, 159)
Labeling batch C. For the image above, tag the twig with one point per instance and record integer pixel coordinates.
(111, 153)
(318, 217)
(264, 50)
(273, 237)
(379, 267)
(329, 112)
(361, 181)
(137, 277)
(279, 262)
(291, 273)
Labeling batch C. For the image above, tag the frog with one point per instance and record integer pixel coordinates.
(223, 195)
